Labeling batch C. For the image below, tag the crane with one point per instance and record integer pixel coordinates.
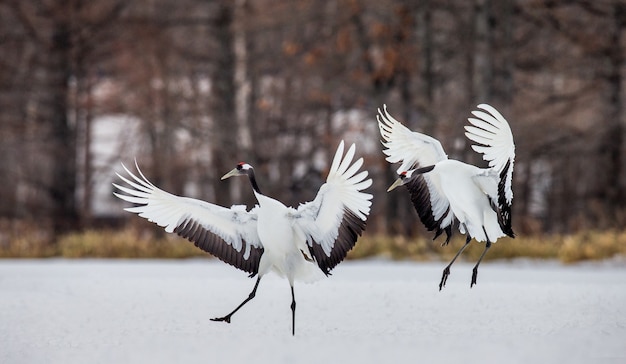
(303, 243)
(444, 191)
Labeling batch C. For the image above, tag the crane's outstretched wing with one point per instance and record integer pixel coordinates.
(334, 220)
(495, 142)
(416, 150)
(230, 234)
(410, 148)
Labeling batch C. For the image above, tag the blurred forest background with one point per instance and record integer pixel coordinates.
(191, 87)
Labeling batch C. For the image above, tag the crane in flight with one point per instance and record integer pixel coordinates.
(301, 243)
(444, 191)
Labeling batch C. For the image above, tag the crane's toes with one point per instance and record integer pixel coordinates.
(225, 319)
(474, 276)
(444, 278)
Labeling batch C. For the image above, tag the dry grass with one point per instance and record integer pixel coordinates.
(137, 243)
(25, 240)
(128, 243)
(591, 245)
(27, 246)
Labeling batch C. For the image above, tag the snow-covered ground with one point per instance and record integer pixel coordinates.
(124, 311)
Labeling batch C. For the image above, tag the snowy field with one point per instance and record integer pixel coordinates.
(125, 311)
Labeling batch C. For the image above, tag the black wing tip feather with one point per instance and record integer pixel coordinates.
(350, 229)
(216, 246)
(504, 208)
(448, 231)
(420, 197)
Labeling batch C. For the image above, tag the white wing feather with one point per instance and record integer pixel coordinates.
(235, 225)
(491, 130)
(410, 148)
(320, 219)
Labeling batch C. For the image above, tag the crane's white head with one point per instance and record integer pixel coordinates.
(405, 176)
(402, 178)
(242, 169)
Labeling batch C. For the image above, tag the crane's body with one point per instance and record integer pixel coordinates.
(302, 243)
(468, 199)
(288, 256)
(446, 192)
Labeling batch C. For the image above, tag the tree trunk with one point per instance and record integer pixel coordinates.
(614, 140)
(225, 132)
(482, 53)
(62, 186)
(427, 79)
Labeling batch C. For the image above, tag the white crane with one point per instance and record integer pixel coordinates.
(445, 191)
(297, 243)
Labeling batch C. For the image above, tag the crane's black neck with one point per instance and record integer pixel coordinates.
(424, 169)
(255, 186)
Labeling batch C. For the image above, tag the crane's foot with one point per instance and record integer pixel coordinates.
(474, 276)
(225, 319)
(444, 277)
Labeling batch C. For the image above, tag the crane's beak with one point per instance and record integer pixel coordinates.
(234, 172)
(398, 182)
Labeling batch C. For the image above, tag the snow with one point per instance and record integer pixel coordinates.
(147, 311)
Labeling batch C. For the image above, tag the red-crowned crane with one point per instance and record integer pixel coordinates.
(445, 191)
(299, 244)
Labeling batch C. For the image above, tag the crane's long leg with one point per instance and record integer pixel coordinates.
(250, 297)
(446, 270)
(475, 271)
(293, 312)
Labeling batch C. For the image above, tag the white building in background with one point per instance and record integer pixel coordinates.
(114, 139)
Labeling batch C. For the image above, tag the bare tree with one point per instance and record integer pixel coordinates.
(276, 83)
(59, 33)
